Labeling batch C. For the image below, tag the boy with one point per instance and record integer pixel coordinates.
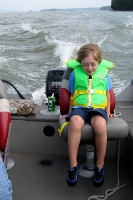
(89, 85)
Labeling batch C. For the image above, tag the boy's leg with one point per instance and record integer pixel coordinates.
(5, 184)
(99, 126)
(74, 136)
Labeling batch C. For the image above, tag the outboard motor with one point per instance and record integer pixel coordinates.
(53, 82)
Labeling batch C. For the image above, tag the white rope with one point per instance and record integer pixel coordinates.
(124, 106)
(109, 192)
(118, 114)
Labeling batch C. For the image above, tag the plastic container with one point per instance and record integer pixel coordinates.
(51, 103)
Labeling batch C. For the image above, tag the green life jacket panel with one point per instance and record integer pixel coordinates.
(74, 64)
(90, 93)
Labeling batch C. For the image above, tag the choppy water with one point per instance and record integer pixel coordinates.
(32, 43)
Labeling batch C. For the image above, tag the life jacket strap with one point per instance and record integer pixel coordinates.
(62, 127)
(79, 92)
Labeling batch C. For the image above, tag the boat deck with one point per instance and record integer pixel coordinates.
(33, 182)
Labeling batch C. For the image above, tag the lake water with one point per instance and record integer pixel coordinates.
(32, 43)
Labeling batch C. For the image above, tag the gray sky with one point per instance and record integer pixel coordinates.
(35, 5)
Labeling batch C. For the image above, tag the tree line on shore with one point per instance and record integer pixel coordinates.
(122, 5)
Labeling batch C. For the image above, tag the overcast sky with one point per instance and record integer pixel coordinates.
(35, 5)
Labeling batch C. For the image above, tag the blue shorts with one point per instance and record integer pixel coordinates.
(87, 113)
(5, 184)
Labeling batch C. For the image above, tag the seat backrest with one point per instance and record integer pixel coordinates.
(64, 96)
(5, 121)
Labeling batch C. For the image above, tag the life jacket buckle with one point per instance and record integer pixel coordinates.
(92, 91)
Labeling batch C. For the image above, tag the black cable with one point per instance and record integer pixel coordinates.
(5, 81)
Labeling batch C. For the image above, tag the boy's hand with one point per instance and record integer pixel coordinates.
(110, 115)
(63, 116)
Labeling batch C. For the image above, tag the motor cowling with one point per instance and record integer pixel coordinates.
(53, 82)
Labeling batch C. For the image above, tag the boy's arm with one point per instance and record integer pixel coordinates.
(71, 89)
(108, 96)
(70, 105)
(108, 105)
(70, 109)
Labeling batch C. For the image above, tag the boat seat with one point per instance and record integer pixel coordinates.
(117, 128)
(5, 123)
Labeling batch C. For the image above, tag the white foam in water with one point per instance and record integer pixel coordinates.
(39, 96)
(21, 88)
(129, 22)
(29, 27)
(2, 47)
(34, 75)
(102, 40)
(2, 59)
(115, 82)
(64, 49)
(19, 59)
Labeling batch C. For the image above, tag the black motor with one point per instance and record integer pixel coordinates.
(53, 82)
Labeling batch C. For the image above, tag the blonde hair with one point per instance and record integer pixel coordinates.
(88, 49)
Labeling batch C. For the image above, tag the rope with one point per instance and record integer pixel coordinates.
(109, 192)
(124, 106)
(118, 114)
(9, 83)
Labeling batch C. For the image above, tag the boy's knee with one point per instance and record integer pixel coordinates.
(76, 121)
(100, 128)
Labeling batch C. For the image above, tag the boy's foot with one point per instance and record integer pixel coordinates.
(98, 177)
(72, 178)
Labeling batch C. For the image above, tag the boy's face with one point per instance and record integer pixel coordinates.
(89, 65)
